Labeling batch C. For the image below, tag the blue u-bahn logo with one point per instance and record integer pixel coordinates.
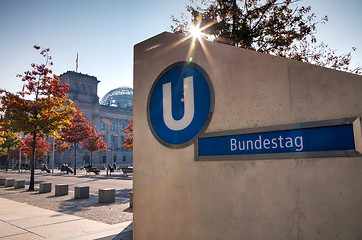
(180, 104)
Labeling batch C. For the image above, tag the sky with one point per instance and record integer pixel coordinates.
(104, 32)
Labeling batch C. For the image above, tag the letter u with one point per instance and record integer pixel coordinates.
(189, 109)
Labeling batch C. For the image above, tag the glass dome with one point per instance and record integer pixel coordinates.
(120, 97)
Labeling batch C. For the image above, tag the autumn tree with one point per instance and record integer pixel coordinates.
(60, 146)
(40, 109)
(10, 141)
(75, 133)
(94, 142)
(277, 27)
(41, 150)
(128, 141)
(2, 139)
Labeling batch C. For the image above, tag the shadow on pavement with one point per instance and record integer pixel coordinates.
(126, 234)
(76, 205)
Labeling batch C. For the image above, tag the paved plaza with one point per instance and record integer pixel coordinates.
(30, 215)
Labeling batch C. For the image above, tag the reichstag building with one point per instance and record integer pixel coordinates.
(110, 115)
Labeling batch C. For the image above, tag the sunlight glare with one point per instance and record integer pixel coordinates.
(195, 32)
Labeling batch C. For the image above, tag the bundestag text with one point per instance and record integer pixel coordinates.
(273, 143)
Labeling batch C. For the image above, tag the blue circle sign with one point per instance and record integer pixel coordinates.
(180, 104)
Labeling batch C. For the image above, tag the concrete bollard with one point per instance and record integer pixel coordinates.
(106, 195)
(61, 189)
(2, 181)
(45, 187)
(9, 182)
(131, 200)
(19, 184)
(81, 192)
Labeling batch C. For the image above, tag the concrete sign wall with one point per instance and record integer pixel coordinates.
(187, 187)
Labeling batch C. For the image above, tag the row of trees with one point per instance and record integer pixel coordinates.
(41, 109)
(79, 131)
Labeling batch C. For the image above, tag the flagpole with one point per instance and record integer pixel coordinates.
(76, 64)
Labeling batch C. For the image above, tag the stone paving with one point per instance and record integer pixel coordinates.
(32, 215)
(23, 221)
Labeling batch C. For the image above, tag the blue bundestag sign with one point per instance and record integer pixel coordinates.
(180, 104)
(319, 141)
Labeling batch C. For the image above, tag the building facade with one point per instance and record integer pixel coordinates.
(109, 117)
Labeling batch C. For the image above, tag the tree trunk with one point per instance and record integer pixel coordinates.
(32, 164)
(75, 158)
(19, 159)
(7, 160)
(91, 162)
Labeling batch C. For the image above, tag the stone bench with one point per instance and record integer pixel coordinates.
(61, 189)
(2, 181)
(106, 195)
(9, 182)
(81, 192)
(19, 184)
(45, 187)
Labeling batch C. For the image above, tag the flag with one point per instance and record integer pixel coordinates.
(76, 65)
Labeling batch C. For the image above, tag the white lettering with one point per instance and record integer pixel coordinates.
(300, 144)
(280, 140)
(258, 141)
(251, 144)
(232, 144)
(189, 111)
(289, 142)
(275, 145)
(242, 149)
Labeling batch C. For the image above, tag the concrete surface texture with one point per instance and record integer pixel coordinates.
(45, 187)
(81, 192)
(9, 182)
(315, 198)
(61, 189)
(106, 195)
(19, 184)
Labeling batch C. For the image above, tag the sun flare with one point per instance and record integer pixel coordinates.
(196, 32)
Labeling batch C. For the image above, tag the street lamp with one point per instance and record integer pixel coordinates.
(113, 148)
(108, 123)
(21, 136)
(52, 156)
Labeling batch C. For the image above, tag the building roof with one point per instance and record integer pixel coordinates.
(121, 97)
(77, 74)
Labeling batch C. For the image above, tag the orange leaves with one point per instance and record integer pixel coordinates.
(94, 142)
(77, 130)
(128, 141)
(60, 146)
(41, 149)
(9, 140)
